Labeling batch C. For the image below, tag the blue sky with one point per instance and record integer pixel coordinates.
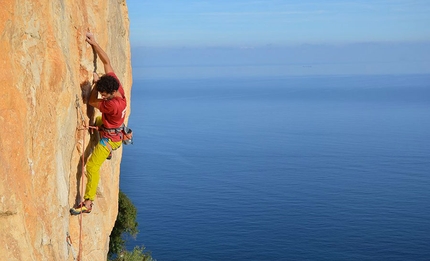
(161, 30)
(250, 23)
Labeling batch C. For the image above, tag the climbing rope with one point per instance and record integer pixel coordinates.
(83, 128)
(82, 190)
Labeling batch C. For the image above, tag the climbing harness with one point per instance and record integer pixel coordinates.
(124, 132)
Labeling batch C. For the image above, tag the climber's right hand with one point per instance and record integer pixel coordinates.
(90, 38)
(95, 77)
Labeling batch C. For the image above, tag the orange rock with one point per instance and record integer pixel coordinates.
(44, 60)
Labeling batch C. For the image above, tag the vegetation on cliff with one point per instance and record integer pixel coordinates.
(126, 226)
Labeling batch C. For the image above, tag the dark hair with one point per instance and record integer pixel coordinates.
(107, 83)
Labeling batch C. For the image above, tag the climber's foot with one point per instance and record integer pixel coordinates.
(84, 207)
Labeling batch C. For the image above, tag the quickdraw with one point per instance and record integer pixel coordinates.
(69, 243)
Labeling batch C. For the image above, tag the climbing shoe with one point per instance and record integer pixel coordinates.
(81, 208)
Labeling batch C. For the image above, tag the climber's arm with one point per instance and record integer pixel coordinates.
(94, 100)
(102, 54)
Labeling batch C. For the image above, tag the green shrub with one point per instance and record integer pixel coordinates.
(125, 225)
(137, 254)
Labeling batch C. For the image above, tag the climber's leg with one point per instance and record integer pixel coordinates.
(99, 155)
(94, 163)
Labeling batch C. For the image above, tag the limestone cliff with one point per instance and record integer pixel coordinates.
(45, 64)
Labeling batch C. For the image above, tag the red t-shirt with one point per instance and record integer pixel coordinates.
(113, 111)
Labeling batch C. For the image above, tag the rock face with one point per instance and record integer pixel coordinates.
(45, 65)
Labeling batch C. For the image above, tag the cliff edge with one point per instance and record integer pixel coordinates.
(45, 65)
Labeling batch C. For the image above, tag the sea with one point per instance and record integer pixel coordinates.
(281, 168)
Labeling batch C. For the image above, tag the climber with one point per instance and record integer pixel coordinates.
(113, 107)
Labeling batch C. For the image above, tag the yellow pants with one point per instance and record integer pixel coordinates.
(94, 163)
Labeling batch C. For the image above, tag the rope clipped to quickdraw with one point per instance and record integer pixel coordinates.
(78, 106)
(69, 243)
